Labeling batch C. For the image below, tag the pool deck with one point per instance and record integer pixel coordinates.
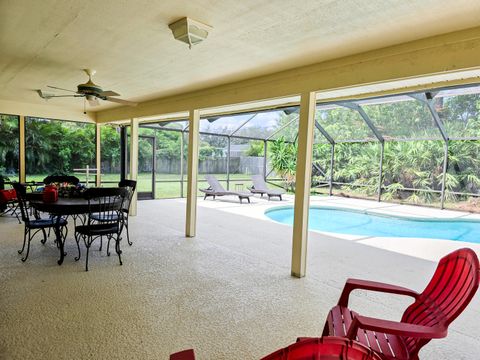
(428, 249)
(227, 292)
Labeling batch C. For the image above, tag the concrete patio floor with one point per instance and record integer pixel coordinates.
(228, 292)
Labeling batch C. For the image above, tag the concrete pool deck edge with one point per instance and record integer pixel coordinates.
(428, 249)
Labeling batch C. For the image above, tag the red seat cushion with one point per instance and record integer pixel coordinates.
(387, 345)
(7, 196)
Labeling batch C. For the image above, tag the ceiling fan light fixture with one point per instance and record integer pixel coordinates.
(189, 31)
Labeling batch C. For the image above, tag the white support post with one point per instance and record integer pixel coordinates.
(302, 183)
(192, 171)
(98, 155)
(134, 161)
(22, 155)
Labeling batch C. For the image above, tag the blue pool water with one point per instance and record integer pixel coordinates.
(353, 222)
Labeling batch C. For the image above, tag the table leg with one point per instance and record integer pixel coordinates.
(60, 240)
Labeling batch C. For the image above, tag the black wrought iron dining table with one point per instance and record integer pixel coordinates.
(62, 207)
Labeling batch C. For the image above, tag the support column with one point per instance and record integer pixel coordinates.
(332, 163)
(302, 183)
(98, 154)
(134, 161)
(229, 144)
(22, 155)
(380, 171)
(123, 153)
(182, 141)
(193, 137)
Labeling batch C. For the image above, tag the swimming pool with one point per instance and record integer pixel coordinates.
(353, 222)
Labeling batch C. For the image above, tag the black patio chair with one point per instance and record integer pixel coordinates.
(105, 204)
(9, 203)
(130, 186)
(36, 224)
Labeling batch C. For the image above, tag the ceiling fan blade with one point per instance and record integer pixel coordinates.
(46, 96)
(120, 101)
(109, 93)
(93, 102)
(54, 87)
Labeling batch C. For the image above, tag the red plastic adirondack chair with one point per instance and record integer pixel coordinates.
(183, 355)
(326, 348)
(453, 285)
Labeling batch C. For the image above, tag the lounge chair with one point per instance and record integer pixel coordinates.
(216, 189)
(451, 288)
(260, 187)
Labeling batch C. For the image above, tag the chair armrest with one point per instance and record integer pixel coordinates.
(395, 328)
(352, 284)
(183, 355)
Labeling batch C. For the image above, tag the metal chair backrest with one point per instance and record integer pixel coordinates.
(453, 285)
(21, 192)
(130, 186)
(105, 202)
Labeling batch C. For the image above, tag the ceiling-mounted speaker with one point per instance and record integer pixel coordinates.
(189, 31)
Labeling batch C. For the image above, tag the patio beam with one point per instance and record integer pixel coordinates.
(380, 171)
(332, 163)
(269, 137)
(324, 132)
(427, 99)
(134, 161)
(303, 183)
(193, 139)
(444, 174)
(98, 154)
(265, 149)
(229, 147)
(243, 124)
(21, 155)
(364, 116)
(182, 141)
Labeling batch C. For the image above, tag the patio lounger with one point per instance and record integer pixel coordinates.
(260, 187)
(216, 189)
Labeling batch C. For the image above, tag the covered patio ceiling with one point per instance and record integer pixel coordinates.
(134, 53)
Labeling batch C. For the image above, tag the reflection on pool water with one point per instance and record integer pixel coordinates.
(352, 222)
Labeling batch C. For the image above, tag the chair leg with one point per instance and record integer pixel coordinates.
(87, 244)
(101, 243)
(117, 249)
(108, 245)
(77, 240)
(28, 247)
(24, 241)
(66, 234)
(128, 234)
(44, 236)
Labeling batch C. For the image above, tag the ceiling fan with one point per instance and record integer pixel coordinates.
(90, 91)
